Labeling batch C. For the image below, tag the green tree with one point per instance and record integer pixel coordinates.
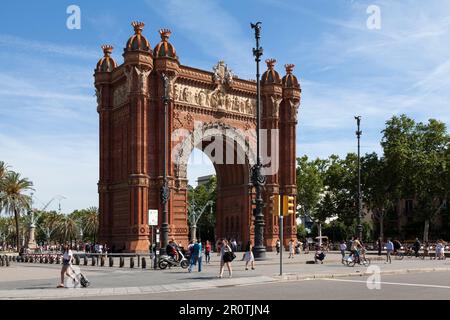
(379, 189)
(199, 197)
(13, 199)
(417, 155)
(310, 184)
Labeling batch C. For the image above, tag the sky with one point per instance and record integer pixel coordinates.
(346, 67)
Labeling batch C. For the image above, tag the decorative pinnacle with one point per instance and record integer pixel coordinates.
(107, 49)
(138, 26)
(165, 34)
(289, 68)
(271, 63)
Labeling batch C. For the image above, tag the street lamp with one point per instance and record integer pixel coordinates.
(257, 178)
(358, 135)
(165, 192)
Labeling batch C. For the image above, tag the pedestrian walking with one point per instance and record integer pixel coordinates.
(207, 251)
(196, 252)
(226, 257)
(277, 245)
(342, 248)
(67, 258)
(249, 256)
(389, 249)
(291, 249)
(416, 247)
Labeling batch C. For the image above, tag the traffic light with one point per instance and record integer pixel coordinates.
(275, 204)
(288, 205)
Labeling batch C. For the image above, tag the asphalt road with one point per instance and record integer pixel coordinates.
(415, 286)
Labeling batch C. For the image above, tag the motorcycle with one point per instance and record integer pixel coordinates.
(167, 261)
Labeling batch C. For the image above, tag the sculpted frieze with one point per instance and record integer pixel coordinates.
(217, 99)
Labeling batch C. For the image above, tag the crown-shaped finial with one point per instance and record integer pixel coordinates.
(289, 68)
(165, 33)
(107, 49)
(138, 26)
(271, 63)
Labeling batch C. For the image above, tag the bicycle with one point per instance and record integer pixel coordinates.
(398, 255)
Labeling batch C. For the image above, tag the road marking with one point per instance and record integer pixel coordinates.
(393, 283)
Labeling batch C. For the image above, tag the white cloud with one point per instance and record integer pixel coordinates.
(28, 45)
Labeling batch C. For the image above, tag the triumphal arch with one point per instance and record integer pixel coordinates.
(214, 111)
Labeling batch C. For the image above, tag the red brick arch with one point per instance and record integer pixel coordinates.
(131, 146)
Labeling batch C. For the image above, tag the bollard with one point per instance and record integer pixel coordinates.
(14, 258)
(58, 260)
(85, 261)
(131, 262)
(144, 263)
(31, 260)
(1, 261)
(93, 261)
(10, 258)
(111, 261)
(41, 259)
(102, 261)
(77, 260)
(45, 260)
(6, 261)
(121, 262)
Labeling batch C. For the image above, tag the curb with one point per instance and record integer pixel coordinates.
(299, 277)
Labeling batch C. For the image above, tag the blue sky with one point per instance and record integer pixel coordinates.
(48, 118)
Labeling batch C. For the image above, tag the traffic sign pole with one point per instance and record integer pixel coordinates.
(280, 212)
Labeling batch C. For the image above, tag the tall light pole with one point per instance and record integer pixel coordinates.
(258, 180)
(358, 135)
(165, 191)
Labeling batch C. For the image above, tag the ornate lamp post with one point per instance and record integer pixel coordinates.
(165, 191)
(258, 179)
(358, 135)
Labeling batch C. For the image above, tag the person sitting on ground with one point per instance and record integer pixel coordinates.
(319, 255)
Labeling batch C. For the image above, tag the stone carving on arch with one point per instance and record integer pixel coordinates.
(245, 141)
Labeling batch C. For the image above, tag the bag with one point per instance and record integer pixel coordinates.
(228, 256)
(84, 281)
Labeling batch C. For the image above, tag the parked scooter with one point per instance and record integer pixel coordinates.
(167, 261)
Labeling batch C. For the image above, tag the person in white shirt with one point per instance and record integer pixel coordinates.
(342, 248)
(67, 258)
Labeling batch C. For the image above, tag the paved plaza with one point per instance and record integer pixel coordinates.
(38, 281)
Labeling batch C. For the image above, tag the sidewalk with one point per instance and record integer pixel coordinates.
(38, 281)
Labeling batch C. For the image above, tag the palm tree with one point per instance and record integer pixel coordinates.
(12, 197)
(90, 221)
(3, 170)
(67, 228)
